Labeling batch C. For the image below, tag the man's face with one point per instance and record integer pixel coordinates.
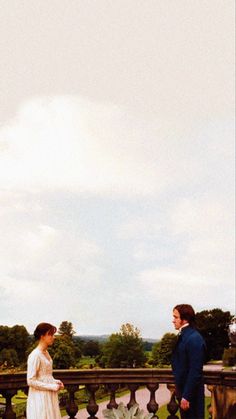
(177, 322)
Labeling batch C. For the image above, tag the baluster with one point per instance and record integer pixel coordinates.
(112, 403)
(172, 406)
(92, 407)
(8, 394)
(71, 406)
(152, 405)
(218, 403)
(210, 405)
(132, 388)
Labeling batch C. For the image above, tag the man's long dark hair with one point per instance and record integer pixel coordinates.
(187, 313)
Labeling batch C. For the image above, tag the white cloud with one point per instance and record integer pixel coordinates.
(72, 144)
(171, 241)
(46, 273)
(169, 287)
(208, 227)
(137, 228)
(136, 182)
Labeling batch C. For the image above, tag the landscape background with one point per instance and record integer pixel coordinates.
(116, 162)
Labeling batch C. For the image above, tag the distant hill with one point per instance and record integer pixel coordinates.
(104, 338)
(97, 338)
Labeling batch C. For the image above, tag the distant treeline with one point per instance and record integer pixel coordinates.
(148, 344)
(125, 348)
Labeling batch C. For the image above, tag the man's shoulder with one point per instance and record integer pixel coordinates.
(193, 334)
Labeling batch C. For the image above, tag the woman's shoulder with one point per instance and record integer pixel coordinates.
(34, 354)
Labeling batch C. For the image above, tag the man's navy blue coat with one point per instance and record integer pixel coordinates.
(187, 364)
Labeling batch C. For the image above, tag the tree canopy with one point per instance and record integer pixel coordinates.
(213, 326)
(162, 351)
(124, 349)
(63, 352)
(91, 348)
(14, 342)
(66, 329)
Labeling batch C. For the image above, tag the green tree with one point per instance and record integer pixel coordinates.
(9, 358)
(124, 349)
(155, 353)
(19, 340)
(4, 337)
(16, 338)
(63, 352)
(77, 349)
(66, 329)
(162, 351)
(91, 348)
(213, 326)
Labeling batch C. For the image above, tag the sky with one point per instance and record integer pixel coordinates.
(117, 173)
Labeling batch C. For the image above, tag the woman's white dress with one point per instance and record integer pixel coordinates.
(42, 402)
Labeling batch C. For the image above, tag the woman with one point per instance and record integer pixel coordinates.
(42, 400)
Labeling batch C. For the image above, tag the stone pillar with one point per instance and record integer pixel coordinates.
(152, 405)
(71, 406)
(92, 407)
(112, 403)
(9, 413)
(172, 406)
(132, 388)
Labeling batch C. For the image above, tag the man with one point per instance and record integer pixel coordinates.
(187, 363)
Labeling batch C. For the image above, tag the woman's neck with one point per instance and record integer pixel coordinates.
(42, 346)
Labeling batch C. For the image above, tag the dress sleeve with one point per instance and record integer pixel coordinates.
(33, 366)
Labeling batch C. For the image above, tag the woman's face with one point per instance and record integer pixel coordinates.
(48, 339)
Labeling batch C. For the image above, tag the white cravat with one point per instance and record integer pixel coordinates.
(182, 327)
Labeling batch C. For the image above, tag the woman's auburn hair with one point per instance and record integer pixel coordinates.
(44, 328)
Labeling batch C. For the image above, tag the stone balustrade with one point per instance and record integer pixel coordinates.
(133, 378)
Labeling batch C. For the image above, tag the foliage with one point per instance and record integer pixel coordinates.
(16, 339)
(124, 349)
(162, 351)
(213, 326)
(66, 351)
(122, 412)
(63, 352)
(91, 348)
(19, 340)
(9, 358)
(16, 344)
(155, 353)
(79, 343)
(148, 346)
(77, 349)
(4, 335)
(66, 329)
(128, 329)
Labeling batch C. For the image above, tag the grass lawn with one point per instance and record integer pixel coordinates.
(86, 361)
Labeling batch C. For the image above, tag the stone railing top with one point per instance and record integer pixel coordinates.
(17, 380)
